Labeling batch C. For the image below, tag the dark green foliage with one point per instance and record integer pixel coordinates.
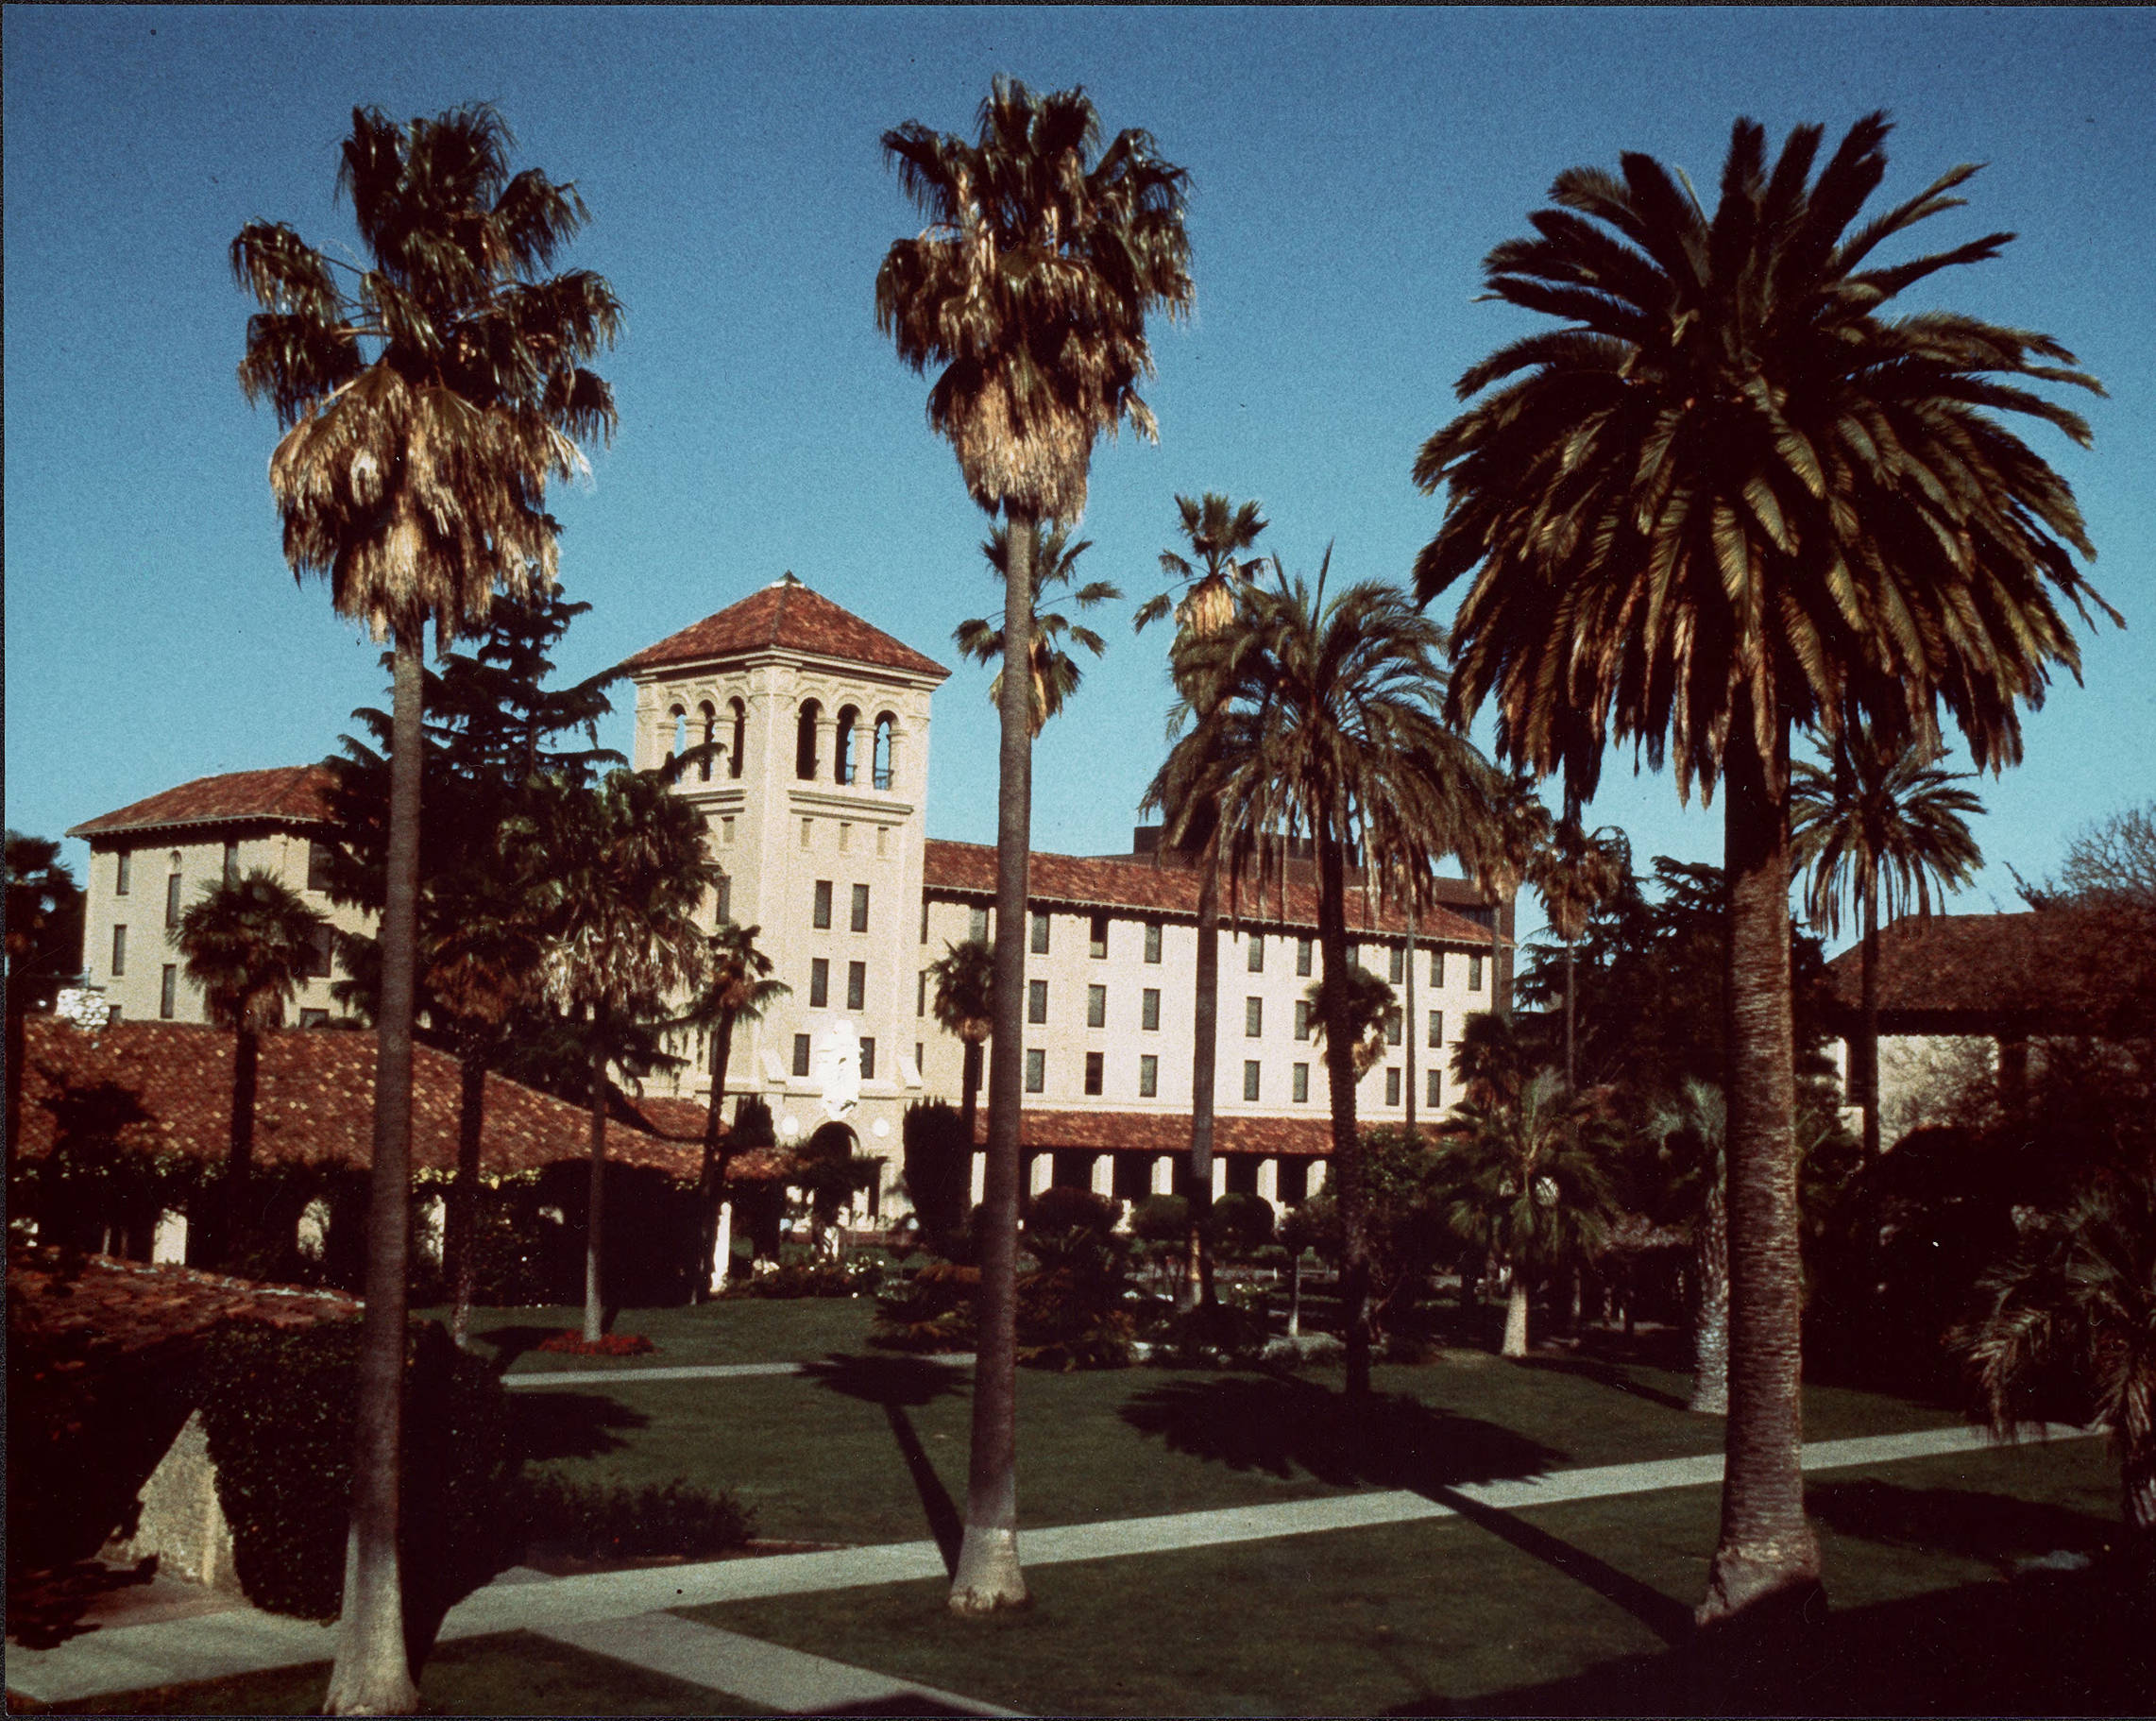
(1408, 1234)
(1070, 1306)
(104, 1183)
(613, 1520)
(1242, 1225)
(1211, 1334)
(278, 1408)
(1059, 1214)
(789, 1279)
(752, 1126)
(45, 922)
(1161, 1218)
(931, 1309)
(939, 1167)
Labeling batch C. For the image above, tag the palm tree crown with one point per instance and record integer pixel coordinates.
(1879, 826)
(249, 945)
(1055, 672)
(1217, 532)
(964, 998)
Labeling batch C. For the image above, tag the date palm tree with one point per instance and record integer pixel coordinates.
(1029, 291)
(738, 988)
(1880, 825)
(1574, 873)
(429, 398)
(1731, 495)
(1371, 1007)
(964, 1004)
(249, 943)
(1691, 1138)
(1055, 672)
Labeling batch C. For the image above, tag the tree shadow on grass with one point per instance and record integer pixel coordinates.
(510, 1342)
(899, 1384)
(1605, 1375)
(1996, 1529)
(562, 1424)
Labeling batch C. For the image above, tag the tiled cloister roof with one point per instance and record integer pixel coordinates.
(286, 795)
(789, 616)
(2068, 970)
(969, 869)
(1167, 1132)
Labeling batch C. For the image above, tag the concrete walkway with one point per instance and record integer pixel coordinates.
(624, 1614)
(711, 1371)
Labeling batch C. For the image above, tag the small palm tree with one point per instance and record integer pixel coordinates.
(1575, 874)
(1370, 1008)
(249, 945)
(1055, 672)
(1527, 1185)
(1690, 1137)
(1513, 828)
(964, 1004)
(1880, 825)
(2081, 1294)
(738, 988)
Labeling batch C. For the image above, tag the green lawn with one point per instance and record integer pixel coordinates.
(721, 1332)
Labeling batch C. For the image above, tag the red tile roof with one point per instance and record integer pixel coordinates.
(314, 1100)
(2059, 970)
(125, 1306)
(683, 1121)
(787, 616)
(969, 869)
(286, 795)
(1167, 1132)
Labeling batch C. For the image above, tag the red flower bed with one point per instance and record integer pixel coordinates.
(569, 1342)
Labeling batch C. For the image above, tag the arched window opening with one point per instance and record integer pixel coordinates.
(710, 735)
(886, 749)
(741, 739)
(805, 741)
(677, 725)
(842, 748)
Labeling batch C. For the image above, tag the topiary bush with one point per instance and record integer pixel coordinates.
(929, 1310)
(277, 1406)
(613, 1520)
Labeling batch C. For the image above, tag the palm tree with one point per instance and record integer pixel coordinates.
(428, 403)
(1512, 829)
(1205, 597)
(1575, 874)
(1879, 826)
(1371, 1005)
(249, 945)
(1321, 713)
(622, 870)
(964, 1004)
(1526, 1185)
(1492, 1059)
(738, 988)
(1029, 290)
(1055, 672)
(1728, 497)
(2079, 1293)
(1691, 1136)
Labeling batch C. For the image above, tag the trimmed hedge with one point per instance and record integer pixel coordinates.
(613, 1520)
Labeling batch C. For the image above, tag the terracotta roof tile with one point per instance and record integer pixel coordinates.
(314, 1101)
(2060, 969)
(969, 869)
(125, 1306)
(1168, 1133)
(787, 616)
(286, 795)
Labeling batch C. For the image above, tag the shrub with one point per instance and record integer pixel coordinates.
(1061, 1212)
(613, 1520)
(939, 1166)
(1161, 1218)
(277, 1406)
(933, 1310)
(1210, 1336)
(1242, 1226)
(810, 1279)
(571, 1342)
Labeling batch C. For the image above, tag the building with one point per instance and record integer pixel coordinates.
(149, 861)
(805, 736)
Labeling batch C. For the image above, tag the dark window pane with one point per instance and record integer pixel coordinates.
(1036, 1072)
(1097, 1006)
(1039, 934)
(820, 916)
(801, 1055)
(1094, 1062)
(860, 922)
(1149, 1008)
(857, 985)
(1250, 1081)
(1099, 942)
(1149, 1077)
(868, 1058)
(1036, 1000)
(819, 983)
(1152, 941)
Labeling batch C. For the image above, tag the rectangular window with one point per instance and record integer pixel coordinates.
(172, 901)
(168, 992)
(1434, 1090)
(1437, 1031)
(723, 900)
(1474, 973)
(1097, 1006)
(801, 1055)
(1149, 1077)
(917, 1058)
(868, 1058)
(1098, 946)
(1302, 1018)
(923, 920)
(727, 832)
(1395, 1028)
(314, 1018)
(320, 946)
(819, 983)
(1298, 1084)
(977, 926)
(119, 951)
(1149, 1009)
(1253, 1017)
(1254, 953)
(807, 832)
(857, 985)
(318, 864)
(1249, 1079)
(122, 872)
(1039, 933)
(1036, 1000)
(111, 1015)
(1095, 1064)
(820, 915)
(1354, 954)
(1036, 1071)
(845, 837)
(1436, 967)
(860, 920)
(921, 994)
(231, 862)
(1303, 958)
(1152, 941)
(1392, 1085)
(1399, 971)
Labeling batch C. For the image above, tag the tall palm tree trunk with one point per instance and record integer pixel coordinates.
(711, 1181)
(372, 1674)
(1516, 1315)
(1340, 1083)
(1767, 1545)
(1204, 1075)
(1500, 995)
(988, 1575)
(1572, 991)
(1868, 1030)
(595, 1207)
(238, 1240)
(1407, 1005)
(463, 1193)
(969, 1100)
(1711, 1319)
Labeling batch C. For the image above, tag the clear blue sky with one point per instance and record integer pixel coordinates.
(1349, 169)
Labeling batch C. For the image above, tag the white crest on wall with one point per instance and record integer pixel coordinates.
(838, 1067)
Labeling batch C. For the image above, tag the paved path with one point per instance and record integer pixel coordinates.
(622, 1614)
(711, 1371)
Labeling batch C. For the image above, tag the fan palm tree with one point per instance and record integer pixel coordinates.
(1879, 826)
(429, 401)
(1492, 1059)
(964, 1004)
(249, 945)
(1321, 712)
(1055, 672)
(1513, 828)
(1692, 1137)
(1370, 1008)
(622, 872)
(738, 988)
(1029, 291)
(1527, 1185)
(1732, 495)
(1205, 596)
(1574, 873)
